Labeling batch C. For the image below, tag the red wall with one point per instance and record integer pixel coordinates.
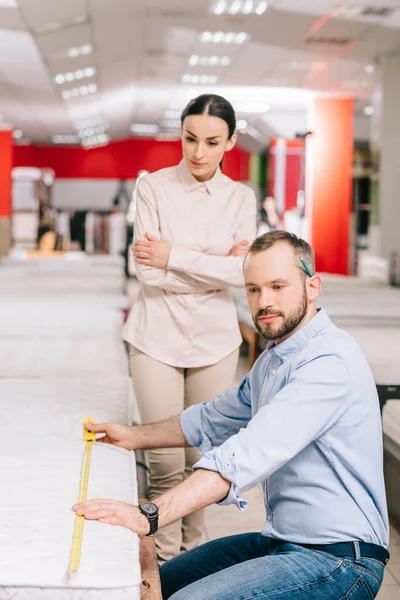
(332, 174)
(119, 160)
(293, 152)
(6, 157)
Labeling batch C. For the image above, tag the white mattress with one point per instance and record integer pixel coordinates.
(66, 318)
(39, 484)
(29, 358)
(57, 408)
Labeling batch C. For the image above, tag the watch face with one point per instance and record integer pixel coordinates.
(149, 508)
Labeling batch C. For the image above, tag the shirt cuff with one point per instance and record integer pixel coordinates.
(179, 258)
(209, 462)
(190, 421)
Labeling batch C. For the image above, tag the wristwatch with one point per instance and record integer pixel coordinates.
(150, 510)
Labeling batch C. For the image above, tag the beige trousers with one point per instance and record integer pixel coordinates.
(163, 392)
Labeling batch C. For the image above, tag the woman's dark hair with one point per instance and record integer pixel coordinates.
(213, 105)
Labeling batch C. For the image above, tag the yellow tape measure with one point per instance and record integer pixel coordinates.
(89, 437)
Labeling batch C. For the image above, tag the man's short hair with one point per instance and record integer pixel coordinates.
(300, 247)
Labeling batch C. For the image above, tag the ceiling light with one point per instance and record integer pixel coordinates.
(61, 78)
(86, 49)
(96, 141)
(236, 7)
(93, 123)
(73, 52)
(209, 61)
(251, 107)
(17, 134)
(368, 111)
(369, 68)
(8, 4)
(195, 79)
(171, 123)
(80, 51)
(89, 71)
(144, 128)
(84, 90)
(65, 139)
(241, 125)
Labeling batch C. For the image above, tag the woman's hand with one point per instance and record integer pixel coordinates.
(152, 252)
(114, 512)
(240, 248)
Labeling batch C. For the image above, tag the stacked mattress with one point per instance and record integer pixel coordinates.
(61, 361)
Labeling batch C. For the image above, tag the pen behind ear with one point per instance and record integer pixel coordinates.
(306, 267)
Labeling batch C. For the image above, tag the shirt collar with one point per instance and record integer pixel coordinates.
(298, 340)
(190, 183)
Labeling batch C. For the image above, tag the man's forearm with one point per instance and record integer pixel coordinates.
(199, 490)
(167, 434)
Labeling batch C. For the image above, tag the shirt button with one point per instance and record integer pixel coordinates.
(274, 372)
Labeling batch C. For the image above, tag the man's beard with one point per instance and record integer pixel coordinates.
(289, 323)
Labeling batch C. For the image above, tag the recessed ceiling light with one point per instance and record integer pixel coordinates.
(61, 78)
(209, 61)
(236, 7)
(17, 134)
(84, 90)
(368, 111)
(65, 139)
(369, 68)
(84, 50)
(171, 123)
(195, 79)
(144, 128)
(241, 125)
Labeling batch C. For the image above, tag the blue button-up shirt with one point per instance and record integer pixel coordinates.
(305, 422)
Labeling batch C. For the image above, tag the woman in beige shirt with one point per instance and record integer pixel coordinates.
(193, 228)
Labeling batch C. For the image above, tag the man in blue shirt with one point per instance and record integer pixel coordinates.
(305, 423)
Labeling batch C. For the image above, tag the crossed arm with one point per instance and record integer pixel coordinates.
(181, 270)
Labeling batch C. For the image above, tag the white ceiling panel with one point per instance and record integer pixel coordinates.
(141, 50)
(43, 15)
(20, 61)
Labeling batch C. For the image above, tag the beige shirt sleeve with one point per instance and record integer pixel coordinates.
(147, 221)
(219, 271)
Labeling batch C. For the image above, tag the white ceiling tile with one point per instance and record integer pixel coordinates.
(20, 61)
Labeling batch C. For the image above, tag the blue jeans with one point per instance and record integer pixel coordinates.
(251, 566)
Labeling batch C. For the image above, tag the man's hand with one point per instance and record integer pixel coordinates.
(122, 436)
(240, 248)
(152, 252)
(114, 512)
